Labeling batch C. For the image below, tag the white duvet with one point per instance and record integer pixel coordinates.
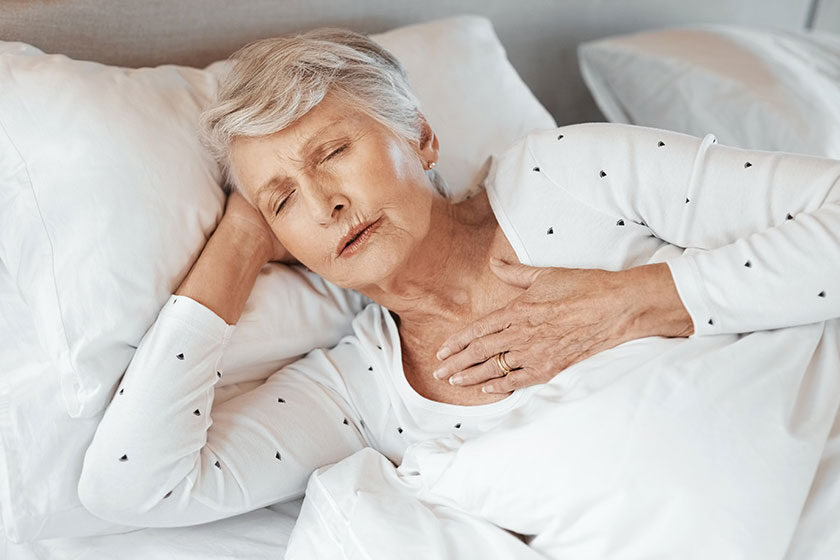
(659, 448)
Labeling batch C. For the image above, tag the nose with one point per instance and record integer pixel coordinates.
(325, 203)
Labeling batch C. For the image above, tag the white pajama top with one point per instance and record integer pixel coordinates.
(752, 240)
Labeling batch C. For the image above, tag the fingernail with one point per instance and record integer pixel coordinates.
(438, 374)
(456, 380)
(443, 353)
(494, 260)
(487, 389)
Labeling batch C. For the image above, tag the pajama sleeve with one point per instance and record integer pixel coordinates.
(163, 456)
(761, 229)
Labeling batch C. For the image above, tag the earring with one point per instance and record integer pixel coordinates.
(432, 164)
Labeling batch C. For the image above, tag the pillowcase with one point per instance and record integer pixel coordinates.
(471, 95)
(106, 199)
(40, 446)
(752, 88)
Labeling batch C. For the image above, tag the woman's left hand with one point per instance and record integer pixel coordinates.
(564, 316)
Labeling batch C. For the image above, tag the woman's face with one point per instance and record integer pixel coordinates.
(332, 174)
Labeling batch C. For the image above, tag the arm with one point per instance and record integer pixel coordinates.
(158, 457)
(224, 274)
(657, 309)
(762, 232)
(762, 228)
(564, 316)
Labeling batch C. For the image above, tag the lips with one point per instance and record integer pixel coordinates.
(356, 237)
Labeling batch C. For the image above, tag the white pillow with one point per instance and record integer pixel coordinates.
(752, 88)
(472, 96)
(107, 196)
(40, 445)
(106, 199)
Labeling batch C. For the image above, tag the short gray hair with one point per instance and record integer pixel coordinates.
(273, 82)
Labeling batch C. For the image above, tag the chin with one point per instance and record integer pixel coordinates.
(371, 267)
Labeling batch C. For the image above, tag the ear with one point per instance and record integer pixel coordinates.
(428, 146)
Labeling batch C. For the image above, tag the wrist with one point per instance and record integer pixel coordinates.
(223, 276)
(248, 240)
(658, 309)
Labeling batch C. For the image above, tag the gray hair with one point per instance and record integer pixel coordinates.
(273, 82)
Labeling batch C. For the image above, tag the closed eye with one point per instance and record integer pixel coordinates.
(334, 153)
(282, 203)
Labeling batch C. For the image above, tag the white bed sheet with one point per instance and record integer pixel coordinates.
(256, 535)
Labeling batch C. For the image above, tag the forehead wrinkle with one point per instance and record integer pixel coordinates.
(302, 157)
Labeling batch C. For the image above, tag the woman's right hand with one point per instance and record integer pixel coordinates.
(240, 214)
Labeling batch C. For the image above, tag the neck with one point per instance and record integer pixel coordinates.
(445, 277)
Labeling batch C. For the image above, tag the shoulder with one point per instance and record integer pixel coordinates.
(550, 146)
(605, 159)
(375, 332)
(373, 338)
(600, 137)
(584, 132)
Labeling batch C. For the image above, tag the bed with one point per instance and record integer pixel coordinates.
(761, 75)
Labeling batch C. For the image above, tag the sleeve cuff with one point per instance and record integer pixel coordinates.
(197, 316)
(689, 286)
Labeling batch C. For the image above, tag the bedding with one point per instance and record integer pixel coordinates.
(258, 535)
(692, 435)
(764, 89)
(114, 164)
(36, 510)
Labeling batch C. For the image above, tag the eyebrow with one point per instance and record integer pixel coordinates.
(280, 178)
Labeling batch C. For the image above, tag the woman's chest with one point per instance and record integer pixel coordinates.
(419, 362)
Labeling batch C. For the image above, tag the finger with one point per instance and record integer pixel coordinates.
(478, 373)
(477, 351)
(512, 381)
(520, 275)
(485, 371)
(491, 323)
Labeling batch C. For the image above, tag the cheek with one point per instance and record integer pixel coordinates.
(402, 184)
(403, 194)
(411, 212)
(303, 238)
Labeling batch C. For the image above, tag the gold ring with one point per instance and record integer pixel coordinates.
(502, 363)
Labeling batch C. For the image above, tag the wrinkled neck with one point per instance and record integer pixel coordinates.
(444, 277)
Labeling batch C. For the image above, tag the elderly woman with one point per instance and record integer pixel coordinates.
(574, 245)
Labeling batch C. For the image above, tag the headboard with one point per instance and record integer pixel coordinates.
(540, 35)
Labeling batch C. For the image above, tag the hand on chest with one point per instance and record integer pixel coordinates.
(419, 362)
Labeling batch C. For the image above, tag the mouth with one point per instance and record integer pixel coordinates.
(356, 238)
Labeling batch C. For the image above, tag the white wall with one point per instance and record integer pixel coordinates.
(827, 16)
